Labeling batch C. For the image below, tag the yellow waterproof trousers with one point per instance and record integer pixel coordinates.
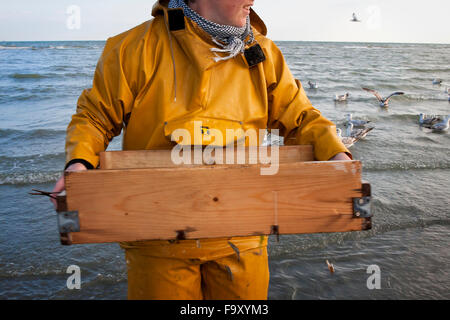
(214, 269)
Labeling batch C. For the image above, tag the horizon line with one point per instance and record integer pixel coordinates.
(332, 41)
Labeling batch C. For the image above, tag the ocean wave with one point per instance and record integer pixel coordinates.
(355, 47)
(27, 76)
(423, 97)
(413, 117)
(401, 117)
(37, 76)
(66, 47)
(30, 168)
(392, 216)
(406, 165)
(31, 158)
(27, 134)
(404, 118)
(406, 98)
(62, 47)
(429, 70)
(16, 271)
(64, 68)
(29, 178)
(23, 97)
(12, 270)
(313, 242)
(14, 48)
(50, 47)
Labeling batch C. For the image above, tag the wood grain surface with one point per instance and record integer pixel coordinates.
(213, 201)
(162, 158)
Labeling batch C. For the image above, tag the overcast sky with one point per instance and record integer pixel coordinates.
(319, 20)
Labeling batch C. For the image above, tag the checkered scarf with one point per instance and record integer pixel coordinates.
(230, 39)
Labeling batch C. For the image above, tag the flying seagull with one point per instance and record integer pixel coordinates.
(354, 18)
(342, 98)
(384, 102)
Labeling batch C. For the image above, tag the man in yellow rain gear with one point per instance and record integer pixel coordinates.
(205, 61)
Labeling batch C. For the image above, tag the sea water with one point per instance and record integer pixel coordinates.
(407, 166)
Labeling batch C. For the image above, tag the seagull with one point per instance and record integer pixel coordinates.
(272, 140)
(427, 122)
(437, 81)
(354, 18)
(357, 133)
(384, 102)
(356, 123)
(441, 126)
(347, 141)
(313, 85)
(341, 98)
(353, 136)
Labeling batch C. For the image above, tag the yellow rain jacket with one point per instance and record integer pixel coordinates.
(161, 76)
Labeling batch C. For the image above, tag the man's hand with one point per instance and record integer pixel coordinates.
(341, 156)
(59, 186)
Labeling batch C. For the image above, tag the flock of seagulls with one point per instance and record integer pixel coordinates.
(356, 128)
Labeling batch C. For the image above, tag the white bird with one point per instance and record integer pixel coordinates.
(356, 123)
(428, 121)
(437, 81)
(347, 141)
(441, 126)
(341, 98)
(313, 85)
(357, 133)
(384, 102)
(272, 140)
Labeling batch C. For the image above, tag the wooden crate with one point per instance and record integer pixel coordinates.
(143, 196)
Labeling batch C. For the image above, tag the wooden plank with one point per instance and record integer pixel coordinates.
(112, 160)
(214, 201)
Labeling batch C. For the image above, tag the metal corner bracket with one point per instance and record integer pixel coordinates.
(362, 207)
(68, 222)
